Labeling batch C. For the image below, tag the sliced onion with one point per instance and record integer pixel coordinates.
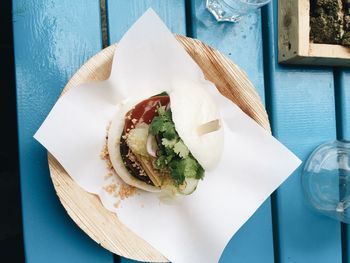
(151, 145)
(167, 106)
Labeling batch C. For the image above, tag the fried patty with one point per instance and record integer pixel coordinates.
(133, 166)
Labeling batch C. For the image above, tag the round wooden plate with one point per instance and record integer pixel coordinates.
(86, 209)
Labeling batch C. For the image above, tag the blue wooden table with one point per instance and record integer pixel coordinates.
(306, 105)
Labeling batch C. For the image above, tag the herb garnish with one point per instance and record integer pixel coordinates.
(172, 153)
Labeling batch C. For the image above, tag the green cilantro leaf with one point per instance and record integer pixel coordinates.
(181, 149)
(172, 153)
(168, 143)
(163, 124)
(185, 168)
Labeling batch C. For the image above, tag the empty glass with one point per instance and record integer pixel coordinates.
(233, 10)
(326, 180)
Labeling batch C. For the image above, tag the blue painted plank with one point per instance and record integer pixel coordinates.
(344, 90)
(344, 133)
(122, 14)
(302, 110)
(241, 42)
(51, 40)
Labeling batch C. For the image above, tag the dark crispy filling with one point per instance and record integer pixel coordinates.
(132, 166)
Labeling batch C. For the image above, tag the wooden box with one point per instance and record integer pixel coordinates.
(294, 44)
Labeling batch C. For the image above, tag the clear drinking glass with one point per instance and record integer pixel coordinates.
(326, 180)
(233, 10)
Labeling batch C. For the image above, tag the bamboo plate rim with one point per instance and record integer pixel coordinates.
(86, 209)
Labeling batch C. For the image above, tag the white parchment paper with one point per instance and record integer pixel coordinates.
(195, 228)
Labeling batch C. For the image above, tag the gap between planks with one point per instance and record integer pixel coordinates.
(339, 126)
(267, 55)
(104, 24)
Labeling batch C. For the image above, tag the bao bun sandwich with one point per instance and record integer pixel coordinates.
(166, 143)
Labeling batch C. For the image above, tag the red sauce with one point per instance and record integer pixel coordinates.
(145, 111)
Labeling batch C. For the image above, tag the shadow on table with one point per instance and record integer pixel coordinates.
(11, 241)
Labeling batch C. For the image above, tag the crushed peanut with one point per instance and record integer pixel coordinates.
(117, 204)
(126, 191)
(119, 191)
(108, 175)
(110, 188)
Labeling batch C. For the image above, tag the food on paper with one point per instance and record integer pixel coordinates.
(166, 143)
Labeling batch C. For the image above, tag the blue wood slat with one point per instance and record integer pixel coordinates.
(122, 14)
(344, 133)
(302, 110)
(344, 107)
(242, 42)
(52, 40)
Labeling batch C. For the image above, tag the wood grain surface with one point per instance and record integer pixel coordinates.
(303, 115)
(86, 209)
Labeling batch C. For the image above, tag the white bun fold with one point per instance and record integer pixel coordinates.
(192, 107)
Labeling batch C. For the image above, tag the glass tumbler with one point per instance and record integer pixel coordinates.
(233, 10)
(326, 180)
